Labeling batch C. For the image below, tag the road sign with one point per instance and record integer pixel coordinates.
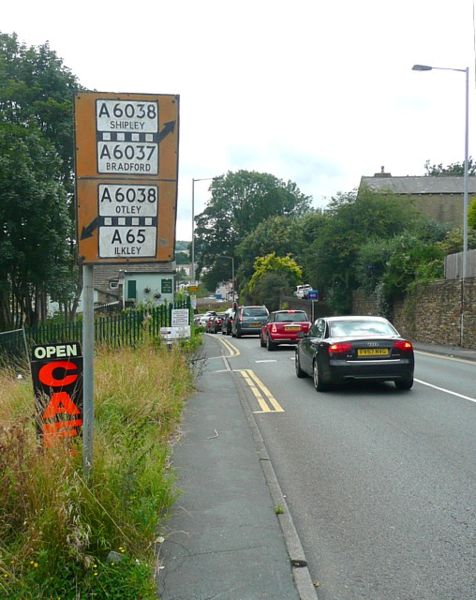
(126, 176)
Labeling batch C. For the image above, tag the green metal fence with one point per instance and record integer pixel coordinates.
(125, 329)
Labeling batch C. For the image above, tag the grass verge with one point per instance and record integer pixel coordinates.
(63, 538)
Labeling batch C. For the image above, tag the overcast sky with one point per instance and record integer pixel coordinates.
(317, 92)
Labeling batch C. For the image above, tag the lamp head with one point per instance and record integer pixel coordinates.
(421, 68)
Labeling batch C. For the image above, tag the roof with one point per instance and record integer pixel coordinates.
(425, 184)
(103, 273)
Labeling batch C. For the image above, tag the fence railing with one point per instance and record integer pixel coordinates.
(115, 330)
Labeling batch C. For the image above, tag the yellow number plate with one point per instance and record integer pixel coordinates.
(292, 328)
(372, 352)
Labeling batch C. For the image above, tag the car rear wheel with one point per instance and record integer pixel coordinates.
(270, 344)
(262, 343)
(297, 365)
(319, 384)
(404, 384)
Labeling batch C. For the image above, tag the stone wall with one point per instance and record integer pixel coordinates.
(432, 313)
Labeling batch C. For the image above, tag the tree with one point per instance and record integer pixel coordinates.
(272, 275)
(277, 234)
(34, 222)
(36, 179)
(454, 169)
(239, 203)
(350, 222)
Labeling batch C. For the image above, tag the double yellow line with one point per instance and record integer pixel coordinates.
(265, 398)
(230, 347)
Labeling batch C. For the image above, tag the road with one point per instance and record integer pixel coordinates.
(381, 484)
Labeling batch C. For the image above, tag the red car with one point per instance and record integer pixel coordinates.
(214, 323)
(283, 327)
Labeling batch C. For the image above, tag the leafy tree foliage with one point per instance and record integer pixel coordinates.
(268, 289)
(472, 214)
(272, 275)
(280, 235)
(36, 179)
(456, 169)
(411, 259)
(34, 222)
(350, 222)
(239, 203)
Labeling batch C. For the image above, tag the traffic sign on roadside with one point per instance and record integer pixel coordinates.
(126, 176)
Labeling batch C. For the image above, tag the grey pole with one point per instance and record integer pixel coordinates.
(465, 180)
(465, 204)
(88, 368)
(192, 270)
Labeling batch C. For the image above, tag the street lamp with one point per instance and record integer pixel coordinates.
(465, 176)
(232, 275)
(192, 271)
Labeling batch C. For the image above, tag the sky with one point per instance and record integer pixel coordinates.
(317, 92)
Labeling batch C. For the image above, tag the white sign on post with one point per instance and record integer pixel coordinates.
(127, 133)
(127, 220)
(180, 317)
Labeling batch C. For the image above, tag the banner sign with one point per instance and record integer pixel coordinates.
(57, 373)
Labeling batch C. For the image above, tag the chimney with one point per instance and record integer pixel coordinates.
(382, 173)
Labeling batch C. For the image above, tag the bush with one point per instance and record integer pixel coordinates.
(56, 529)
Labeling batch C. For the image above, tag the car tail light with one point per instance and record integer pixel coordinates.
(340, 348)
(403, 345)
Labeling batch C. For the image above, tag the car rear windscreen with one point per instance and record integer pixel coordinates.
(255, 312)
(353, 328)
(291, 317)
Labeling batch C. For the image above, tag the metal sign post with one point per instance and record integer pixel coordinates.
(88, 368)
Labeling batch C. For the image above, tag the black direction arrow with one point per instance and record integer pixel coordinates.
(167, 128)
(87, 231)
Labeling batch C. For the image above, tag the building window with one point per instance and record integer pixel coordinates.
(113, 284)
(131, 289)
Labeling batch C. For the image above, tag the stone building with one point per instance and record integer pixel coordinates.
(440, 198)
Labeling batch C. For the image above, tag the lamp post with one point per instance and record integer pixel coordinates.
(465, 178)
(192, 271)
(232, 275)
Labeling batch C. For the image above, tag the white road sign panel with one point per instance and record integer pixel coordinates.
(127, 134)
(127, 115)
(128, 220)
(138, 200)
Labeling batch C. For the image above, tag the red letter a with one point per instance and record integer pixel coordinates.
(60, 403)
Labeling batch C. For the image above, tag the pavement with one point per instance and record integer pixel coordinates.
(453, 351)
(226, 539)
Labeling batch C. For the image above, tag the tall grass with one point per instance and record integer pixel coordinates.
(57, 531)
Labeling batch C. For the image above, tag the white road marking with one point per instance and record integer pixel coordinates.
(266, 361)
(440, 389)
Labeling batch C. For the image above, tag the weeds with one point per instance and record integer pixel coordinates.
(56, 531)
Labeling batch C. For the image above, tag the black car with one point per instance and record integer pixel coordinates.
(342, 349)
(248, 320)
